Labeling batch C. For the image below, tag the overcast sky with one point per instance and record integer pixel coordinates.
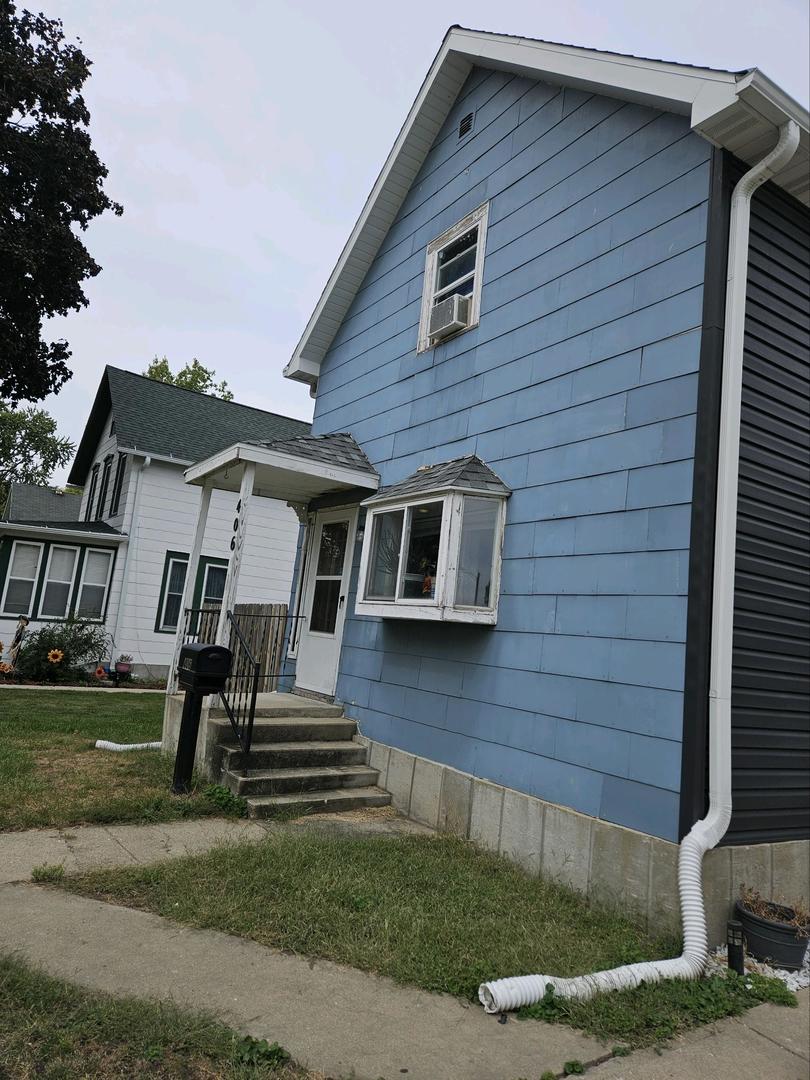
(242, 138)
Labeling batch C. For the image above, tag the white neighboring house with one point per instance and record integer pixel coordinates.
(119, 552)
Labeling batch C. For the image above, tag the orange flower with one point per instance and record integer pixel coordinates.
(100, 672)
(56, 656)
(5, 669)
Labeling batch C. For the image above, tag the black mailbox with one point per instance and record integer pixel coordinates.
(203, 669)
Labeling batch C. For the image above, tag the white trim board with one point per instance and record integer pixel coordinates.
(738, 111)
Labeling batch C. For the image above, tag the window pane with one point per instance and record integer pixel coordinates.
(333, 548)
(215, 584)
(62, 562)
(479, 526)
(177, 576)
(91, 602)
(25, 561)
(456, 269)
(323, 616)
(18, 596)
(461, 244)
(424, 532)
(384, 562)
(55, 600)
(96, 566)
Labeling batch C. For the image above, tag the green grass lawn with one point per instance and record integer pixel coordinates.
(51, 774)
(430, 911)
(50, 1028)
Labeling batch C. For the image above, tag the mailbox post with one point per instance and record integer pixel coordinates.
(202, 669)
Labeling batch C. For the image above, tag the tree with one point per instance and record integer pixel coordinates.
(50, 181)
(192, 377)
(30, 448)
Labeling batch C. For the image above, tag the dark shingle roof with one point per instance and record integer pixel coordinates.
(97, 528)
(32, 502)
(338, 448)
(158, 418)
(460, 474)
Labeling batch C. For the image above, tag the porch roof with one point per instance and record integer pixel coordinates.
(294, 470)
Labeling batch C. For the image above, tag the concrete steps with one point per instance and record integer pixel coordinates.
(289, 781)
(304, 756)
(289, 755)
(332, 801)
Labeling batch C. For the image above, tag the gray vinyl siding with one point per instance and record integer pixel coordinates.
(579, 389)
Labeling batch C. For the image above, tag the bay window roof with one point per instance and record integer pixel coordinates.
(461, 474)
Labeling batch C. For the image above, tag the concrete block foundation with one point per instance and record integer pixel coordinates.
(609, 863)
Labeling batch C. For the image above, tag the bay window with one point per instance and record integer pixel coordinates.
(436, 557)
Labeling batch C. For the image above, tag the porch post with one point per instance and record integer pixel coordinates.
(188, 587)
(237, 544)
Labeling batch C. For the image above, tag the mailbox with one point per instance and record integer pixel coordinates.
(203, 669)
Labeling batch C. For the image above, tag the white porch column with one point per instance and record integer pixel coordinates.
(191, 577)
(237, 544)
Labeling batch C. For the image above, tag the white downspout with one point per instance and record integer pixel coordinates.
(504, 994)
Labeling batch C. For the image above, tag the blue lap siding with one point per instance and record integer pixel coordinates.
(579, 387)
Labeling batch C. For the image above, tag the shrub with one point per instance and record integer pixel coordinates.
(61, 653)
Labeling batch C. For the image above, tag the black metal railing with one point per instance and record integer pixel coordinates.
(239, 696)
(257, 636)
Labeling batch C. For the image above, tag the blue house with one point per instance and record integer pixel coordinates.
(507, 565)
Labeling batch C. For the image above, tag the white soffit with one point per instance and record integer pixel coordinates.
(740, 112)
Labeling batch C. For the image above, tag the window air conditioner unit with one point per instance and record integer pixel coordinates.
(449, 315)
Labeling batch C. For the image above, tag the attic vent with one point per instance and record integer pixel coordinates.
(465, 126)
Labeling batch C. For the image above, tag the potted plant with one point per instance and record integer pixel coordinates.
(123, 665)
(777, 933)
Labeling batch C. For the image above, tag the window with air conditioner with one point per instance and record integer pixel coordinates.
(451, 298)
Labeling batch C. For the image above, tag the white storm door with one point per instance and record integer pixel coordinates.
(327, 588)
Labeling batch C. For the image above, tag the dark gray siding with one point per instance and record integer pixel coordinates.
(771, 681)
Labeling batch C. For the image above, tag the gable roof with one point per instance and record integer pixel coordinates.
(740, 111)
(461, 474)
(35, 503)
(171, 423)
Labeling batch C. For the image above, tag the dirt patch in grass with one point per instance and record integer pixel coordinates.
(51, 1028)
(432, 911)
(52, 775)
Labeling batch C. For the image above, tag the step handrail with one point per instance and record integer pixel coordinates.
(240, 692)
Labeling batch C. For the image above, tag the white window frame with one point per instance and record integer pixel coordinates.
(35, 580)
(102, 616)
(162, 625)
(441, 607)
(58, 547)
(477, 217)
(223, 565)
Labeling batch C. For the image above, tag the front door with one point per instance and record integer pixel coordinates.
(324, 607)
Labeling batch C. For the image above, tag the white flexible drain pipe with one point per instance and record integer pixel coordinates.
(102, 744)
(504, 994)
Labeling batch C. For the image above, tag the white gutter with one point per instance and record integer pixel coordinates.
(504, 994)
(87, 536)
(132, 524)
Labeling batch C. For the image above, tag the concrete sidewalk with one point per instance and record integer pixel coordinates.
(769, 1042)
(334, 1019)
(82, 847)
(87, 846)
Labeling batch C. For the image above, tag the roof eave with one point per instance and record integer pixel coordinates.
(722, 106)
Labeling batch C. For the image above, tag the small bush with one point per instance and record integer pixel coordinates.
(225, 799)
(48, 874)
(61, 653)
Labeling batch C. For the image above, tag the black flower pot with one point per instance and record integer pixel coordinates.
(773, 940)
